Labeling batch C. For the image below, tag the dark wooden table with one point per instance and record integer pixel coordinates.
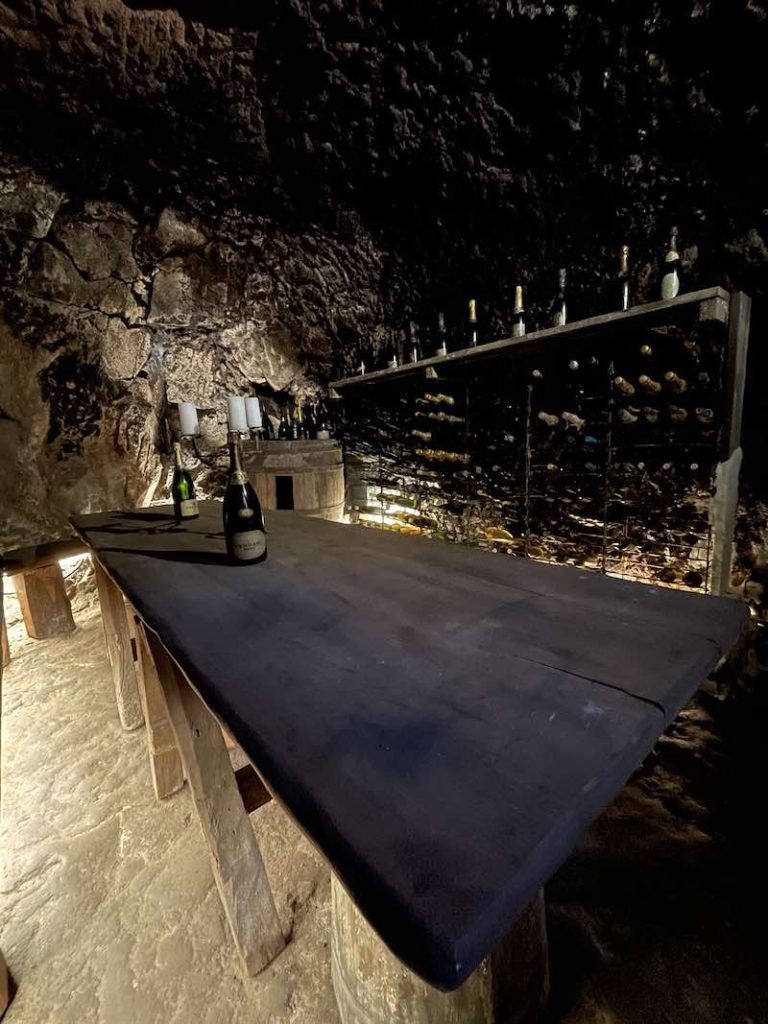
(443, 723)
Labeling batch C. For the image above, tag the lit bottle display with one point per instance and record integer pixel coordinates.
(244, 531)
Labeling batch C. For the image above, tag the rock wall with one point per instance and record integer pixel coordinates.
(105, 319)
(197, 197)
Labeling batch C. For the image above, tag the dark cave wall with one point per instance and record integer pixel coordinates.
(198, 196)
(106, 318)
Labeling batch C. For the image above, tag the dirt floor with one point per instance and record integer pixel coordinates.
(109, 913)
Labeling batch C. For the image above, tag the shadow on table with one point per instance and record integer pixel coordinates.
(191, 557)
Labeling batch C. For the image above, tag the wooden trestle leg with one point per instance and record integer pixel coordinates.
(164, 758)
(238, 867)
(119, 650)
(511, 986)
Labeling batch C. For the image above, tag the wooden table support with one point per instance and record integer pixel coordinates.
(238, 867)
(119, 650)
(5, 650)
(44, 603)
(164, 758)
(511, 986)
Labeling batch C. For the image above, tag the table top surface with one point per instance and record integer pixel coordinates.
(442, 722)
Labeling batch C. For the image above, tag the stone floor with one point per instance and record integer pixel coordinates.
(109, 913)
(108, 907)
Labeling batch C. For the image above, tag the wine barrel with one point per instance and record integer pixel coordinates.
(371, 986)
(304, 475)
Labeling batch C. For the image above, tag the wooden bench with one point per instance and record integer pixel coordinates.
(442, 723)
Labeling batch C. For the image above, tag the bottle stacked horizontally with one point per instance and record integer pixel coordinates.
(243, 520)
(182, 489)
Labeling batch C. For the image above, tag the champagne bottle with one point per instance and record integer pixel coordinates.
(391, 356)
(414, 345)
(285, 430)
(518, 314)
(670, 278)
(243, 521)
(322, 422)
(442, 334)
(310, 421)
(182, 489)
(559, 310)
(300, 427)
(472, 323)
(623, 282)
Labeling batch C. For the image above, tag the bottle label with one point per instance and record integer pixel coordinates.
(323, 435)
(249, 545)
(518, 330)
(188, 509)
(670, 285)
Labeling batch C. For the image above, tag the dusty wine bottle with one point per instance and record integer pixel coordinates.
(653, 386)
(472, 323)
(623, 279)
(518, 314)
(670, 278)
(243, 521)
(559, 310)
(442, 348)
(623, 385)
(182, 489)
(676, 383)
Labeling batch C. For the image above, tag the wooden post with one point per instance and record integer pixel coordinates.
(511, 986)
(44, 602)
(119, 650)
(723, 508)
(238, 868)
(164, 759)
(5, 984)
(6, 650)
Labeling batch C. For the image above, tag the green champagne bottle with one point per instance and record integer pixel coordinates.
(182, 489)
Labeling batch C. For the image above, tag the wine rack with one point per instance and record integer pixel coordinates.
(595, 444)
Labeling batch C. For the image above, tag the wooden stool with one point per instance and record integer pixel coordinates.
(44, 603)
(511, 986)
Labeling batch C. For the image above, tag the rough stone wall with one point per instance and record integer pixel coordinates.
(196, 195)
(105, 318)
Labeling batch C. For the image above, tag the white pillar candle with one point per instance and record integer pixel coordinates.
(188, 419)
(253, 413)
(236, 413)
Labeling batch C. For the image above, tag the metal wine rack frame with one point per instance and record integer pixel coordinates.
(624, 493)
